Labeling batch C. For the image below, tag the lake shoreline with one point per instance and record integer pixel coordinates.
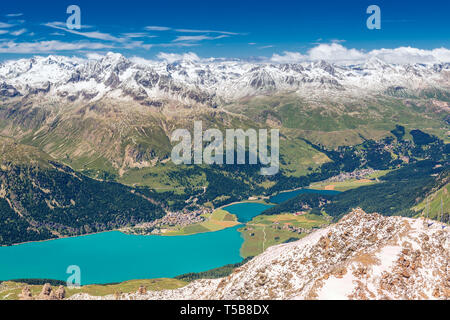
(127, 257)
(60, 238)
(203, 250)
(262, 201)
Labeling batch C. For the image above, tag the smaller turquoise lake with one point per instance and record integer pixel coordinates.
(245, 211)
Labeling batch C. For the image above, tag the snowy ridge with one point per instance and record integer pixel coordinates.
(363, 256)
(205, 82)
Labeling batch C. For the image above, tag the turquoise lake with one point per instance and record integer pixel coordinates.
(245, 211)
(115, 257)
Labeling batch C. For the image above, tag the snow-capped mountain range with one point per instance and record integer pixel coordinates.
(206, 82)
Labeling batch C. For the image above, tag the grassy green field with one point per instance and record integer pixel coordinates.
(349, 184)
(434, 202)
(298, 158)
(265, 231)
(10, 290)
(342, 185)
(159, 178)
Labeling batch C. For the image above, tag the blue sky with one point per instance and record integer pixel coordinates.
(241, 29)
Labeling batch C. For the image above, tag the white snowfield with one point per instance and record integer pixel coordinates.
(363, 256)
(208, 82)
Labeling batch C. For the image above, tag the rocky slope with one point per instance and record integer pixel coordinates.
(47, 293)
(364, 256)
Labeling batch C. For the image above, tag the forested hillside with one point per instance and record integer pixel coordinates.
(41, 199)
(418, 168)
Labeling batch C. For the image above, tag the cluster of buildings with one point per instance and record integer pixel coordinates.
(178, 218)
(289, 227)
(357, 174)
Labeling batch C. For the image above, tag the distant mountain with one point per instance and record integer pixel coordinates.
(114, 115)
(363, 256)
(207, 82)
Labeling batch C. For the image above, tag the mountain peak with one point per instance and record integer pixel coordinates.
(375, 63)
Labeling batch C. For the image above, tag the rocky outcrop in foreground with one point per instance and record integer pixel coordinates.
(47, 293)
(364, 256)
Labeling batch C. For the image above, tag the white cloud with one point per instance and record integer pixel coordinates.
(5, 25)
(337, 53)
(160, 28)
(198, 38)
(266, 47)
(138, 35)
(139, 60)
(442, 54)
(206, 31)
(136, 44)
(94, 56)
(14, 15)
(337, 41)
(405, 55)
(92, 34)
(49, 46)
(177, 44)
(157, 28)
(173, 57)
(19, 32)
(125, 41)
(288, 57)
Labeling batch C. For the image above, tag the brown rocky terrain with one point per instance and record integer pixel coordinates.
(47, 293)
